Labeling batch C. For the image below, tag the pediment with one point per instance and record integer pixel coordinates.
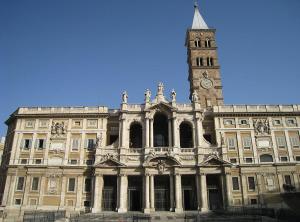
(168, 161)
(162, 106)
(214, 160)
(109, 163)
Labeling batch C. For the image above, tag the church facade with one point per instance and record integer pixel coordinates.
(157, 156)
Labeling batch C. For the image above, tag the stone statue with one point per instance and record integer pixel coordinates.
(195, 97)
(147, 96)
(124, 97)
(160, 89)
(99, 140)
(173, 95)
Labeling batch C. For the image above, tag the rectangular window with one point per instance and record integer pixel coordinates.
(35, 183)
(253, 201)
(251, 183)
(277, 122)
(20, 184)
(248, 159)
(27, 144)
(89, 162)
(73, 162)
(294, 141)
(243, 122)
(233, 160)
(283, 159)
(247, 142)
(287, 180)
(297, 158)
(86, 203)
(40, 144)
(90, 144)
(291, 122)
(38, 161)
(71, 185)
(87, 185)
(75, 144)
(235, 183)
(23, 161)
(281, 143)
(231, 143)
(18, 201)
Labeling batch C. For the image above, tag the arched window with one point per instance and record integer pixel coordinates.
(207, 43)
(160, 127)
(266, 158)
(136, 136)
(186, 135)
(197, 43)
(210, 61)
(199, 61)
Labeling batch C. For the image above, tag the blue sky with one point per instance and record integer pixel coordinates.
(86, 52)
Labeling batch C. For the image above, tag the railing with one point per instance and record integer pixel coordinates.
(163, 149)
(136, 150)
(187, 150)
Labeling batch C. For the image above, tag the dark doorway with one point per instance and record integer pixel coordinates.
(160, 126)
(162, 193)
(135, 193)
(214, 187)
(109, 196)
(189, 197)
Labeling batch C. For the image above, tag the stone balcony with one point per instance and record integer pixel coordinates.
(256, 108)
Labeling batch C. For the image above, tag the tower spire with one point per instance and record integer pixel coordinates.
(198, 21)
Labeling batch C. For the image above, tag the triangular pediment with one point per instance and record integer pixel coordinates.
(109, 163)
(214, 160)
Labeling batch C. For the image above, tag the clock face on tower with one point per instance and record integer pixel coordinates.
(206, 83)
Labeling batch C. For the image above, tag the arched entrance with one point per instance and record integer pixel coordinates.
(160, 130)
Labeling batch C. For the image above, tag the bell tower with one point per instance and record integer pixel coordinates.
(204, 69)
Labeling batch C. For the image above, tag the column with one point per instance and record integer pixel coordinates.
(240, 147)
(170, 133)
(280, 183)
(289, 146)
(32, 149)
(199, 131)
(171, 192)
(204, 201)
(276, 160)
(11, 190)
(123, 193)
(79, 191)
(5, 194)
(26, 190)
(97, 193)
(198, 184)
(178, 194)
(244, 189)
(296, 180)
(254, 147)
(228, 189)
(63, 191)
(123, 133)
(260, 188)
(147, 135)
(152, 204)
(42, 190)
(151, 133)
(147, 194)
(175, 132)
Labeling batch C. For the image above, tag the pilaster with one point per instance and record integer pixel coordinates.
(98, 187)
(204, 202)
(147, 194)
(123, 193)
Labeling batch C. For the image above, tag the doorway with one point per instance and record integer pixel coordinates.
(162, 193)
(189, 199)
(214, 187)
(109, 196)
(135, 193)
